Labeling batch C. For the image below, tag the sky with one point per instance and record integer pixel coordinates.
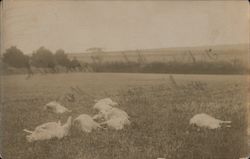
(118, 25)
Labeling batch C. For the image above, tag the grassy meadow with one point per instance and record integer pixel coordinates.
(178, 54)
(159, 106)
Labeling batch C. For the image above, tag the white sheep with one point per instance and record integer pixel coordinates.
(112, 112)
(103, 106)
(244, 158)
(116, 119)
(49, 130)
(116, 112)
(56, 107)
(116, 123)
(107, 101)
(85, 123)
(207, 121)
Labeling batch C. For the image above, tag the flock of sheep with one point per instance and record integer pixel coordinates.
(109, 116)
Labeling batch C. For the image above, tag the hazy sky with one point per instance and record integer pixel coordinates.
(77, 25)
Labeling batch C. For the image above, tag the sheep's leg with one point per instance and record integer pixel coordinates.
(226, 124)
(28, 131)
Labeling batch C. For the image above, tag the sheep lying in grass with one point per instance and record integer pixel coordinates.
(103, 106)
(56, 107)
(116, 119)
(103, 109)
(207, 121)
(244, 157)
(49, 130)
(85, 123)
(107, 101)
(116, 113)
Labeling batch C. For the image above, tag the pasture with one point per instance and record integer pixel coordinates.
(178, 54)
(159, 108)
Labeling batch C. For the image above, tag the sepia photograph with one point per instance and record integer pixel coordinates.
(117, 79)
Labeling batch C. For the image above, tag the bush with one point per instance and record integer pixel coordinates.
(43, 58)
(61, 58)
(15, 58)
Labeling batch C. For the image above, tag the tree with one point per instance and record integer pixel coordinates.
(15, 58)
(61, 58)
(43, 58)
(74, 63)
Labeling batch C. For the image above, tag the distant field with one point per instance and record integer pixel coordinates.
(159, 111)
(224, 52)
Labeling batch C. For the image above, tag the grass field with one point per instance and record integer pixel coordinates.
(179, 54)
(160, 109)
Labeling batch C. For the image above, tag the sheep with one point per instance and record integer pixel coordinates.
(103, 106)
(107, 114)
(207, 121)
(244, 157)
(49, 130)
(116, 123)
(107, 101)
(85, 123)
(56, 107)
(116, 113)
(116, 119)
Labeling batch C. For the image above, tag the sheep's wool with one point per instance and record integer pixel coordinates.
(86, 123)
(207, 121)
(117, 123)
(116, 119)
(56, 107)
(49, 130)
(107, 101)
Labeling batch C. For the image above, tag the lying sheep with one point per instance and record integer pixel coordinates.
(207, 121)
(116, 119)
(116, 112)
(109, 113)
(102, 110)
(116, 123)
(103, 106)
(244, 157)
(56, 107)
(49, 130)
(85, 123)
(107, 101)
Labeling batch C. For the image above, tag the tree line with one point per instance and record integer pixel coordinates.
(40, 58)
(45, 61)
